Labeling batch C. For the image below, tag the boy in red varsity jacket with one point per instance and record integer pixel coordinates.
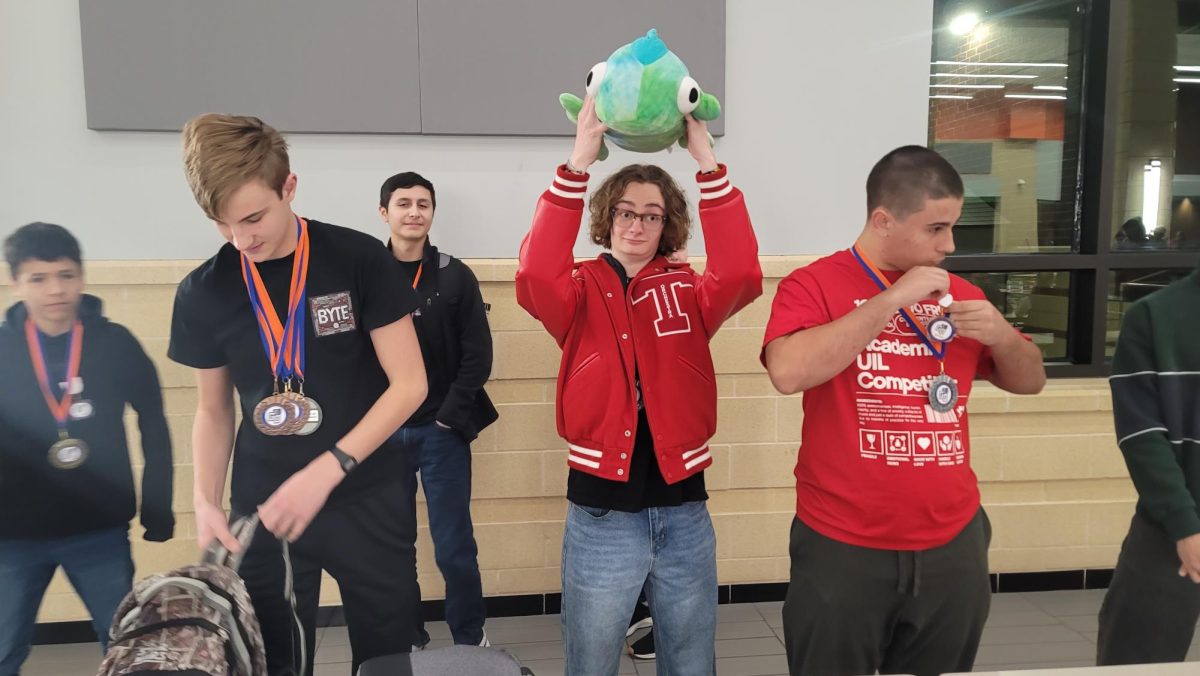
(637, 399)
(889, 545)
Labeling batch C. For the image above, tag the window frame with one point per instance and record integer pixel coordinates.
(1091, 265)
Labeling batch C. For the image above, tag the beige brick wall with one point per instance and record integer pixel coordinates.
(1052, 478)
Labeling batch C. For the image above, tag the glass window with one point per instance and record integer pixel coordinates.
(1037, 303)
(1156, 182)
(1127, 286)
(1004, 91)
(1111, 207)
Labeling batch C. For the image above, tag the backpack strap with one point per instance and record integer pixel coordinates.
(243, 529)
(289, 592)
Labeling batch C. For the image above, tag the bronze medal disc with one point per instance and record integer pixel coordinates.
(68, 453)
(271, 416)
(297, 411)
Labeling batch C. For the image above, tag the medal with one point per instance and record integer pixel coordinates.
(66, 453)
(941, 329)
(287, 412)
(315, 416)
(271, 416)
(943, 393)
(297, 407)
(81, 409)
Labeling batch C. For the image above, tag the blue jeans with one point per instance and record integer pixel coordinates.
(98, 565)
(444, 460)
(608, 556)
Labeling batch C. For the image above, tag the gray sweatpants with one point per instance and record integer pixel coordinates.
(1149, 613)
(855, 610)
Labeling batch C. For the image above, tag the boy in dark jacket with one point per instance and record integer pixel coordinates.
(66, 485)
(452, 327)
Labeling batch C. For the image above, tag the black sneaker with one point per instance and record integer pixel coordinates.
(643, 648)
(641, 619)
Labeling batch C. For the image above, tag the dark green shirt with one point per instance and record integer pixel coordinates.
(1156, 404)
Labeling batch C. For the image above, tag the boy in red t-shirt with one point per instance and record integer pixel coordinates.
(889, 547)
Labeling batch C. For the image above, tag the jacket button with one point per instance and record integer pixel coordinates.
(624, 336)
(659, 437)
(609, 294)
(624, 456)
(620, 472)
(630, 434)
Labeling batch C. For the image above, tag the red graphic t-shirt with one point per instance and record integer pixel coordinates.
(878, 467)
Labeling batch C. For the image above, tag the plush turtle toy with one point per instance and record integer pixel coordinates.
(642, 93)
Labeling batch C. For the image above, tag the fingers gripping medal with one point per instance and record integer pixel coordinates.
(283, 341)
(67, 452)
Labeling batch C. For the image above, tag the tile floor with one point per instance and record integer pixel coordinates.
(1024, 631)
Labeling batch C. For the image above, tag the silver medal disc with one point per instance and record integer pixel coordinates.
(943, 393)
(314, 418)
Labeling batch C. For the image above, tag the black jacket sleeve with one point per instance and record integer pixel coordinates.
(475, 367)
(144, 394)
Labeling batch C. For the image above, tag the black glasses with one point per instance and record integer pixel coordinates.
(625, 218)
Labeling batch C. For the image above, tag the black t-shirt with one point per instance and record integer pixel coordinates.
(410, 269)
(646, 486)
(354, 287)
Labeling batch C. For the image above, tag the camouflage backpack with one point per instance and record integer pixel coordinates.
(193, 621)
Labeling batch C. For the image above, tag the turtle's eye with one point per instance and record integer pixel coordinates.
(595, 77)
(689, 95)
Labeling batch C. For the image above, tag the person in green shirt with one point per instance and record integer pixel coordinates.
(1150, 611)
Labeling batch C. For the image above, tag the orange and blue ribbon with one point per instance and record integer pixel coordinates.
(59, 407)
(283, 341)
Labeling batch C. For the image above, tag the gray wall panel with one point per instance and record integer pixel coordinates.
(312, 66)
(498, 67)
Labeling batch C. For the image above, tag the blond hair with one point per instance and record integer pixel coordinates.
(221, 153)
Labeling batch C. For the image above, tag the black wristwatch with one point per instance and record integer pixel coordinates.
(344, 459)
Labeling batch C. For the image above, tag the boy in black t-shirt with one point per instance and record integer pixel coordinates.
(310, 323)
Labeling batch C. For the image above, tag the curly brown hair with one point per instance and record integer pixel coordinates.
(678, 225)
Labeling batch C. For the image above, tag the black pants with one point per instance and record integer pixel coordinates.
(1149, 613)
(369, 547)
(855, 610)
